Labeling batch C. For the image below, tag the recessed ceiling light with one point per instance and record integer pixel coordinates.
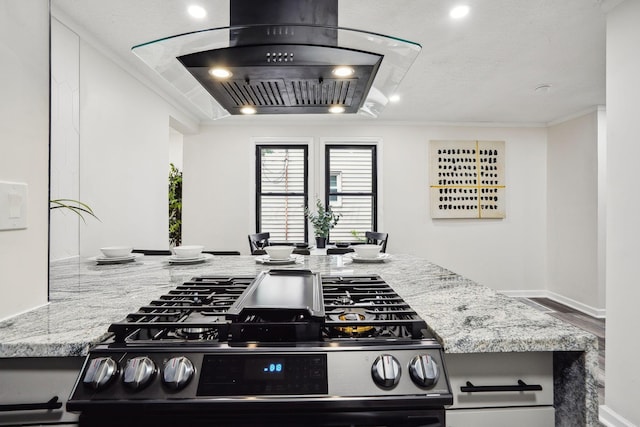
(220, 73)
(394, 98)
(459, 12)
(197, 11)
(248, 110)
(343, 71)
(336, 109)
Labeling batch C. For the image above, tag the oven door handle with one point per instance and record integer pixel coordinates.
(51, 404)
(521, 386)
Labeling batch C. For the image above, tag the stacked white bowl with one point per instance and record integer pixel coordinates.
(116, 251)
(188, 251)
(279, 252)
(367, 251)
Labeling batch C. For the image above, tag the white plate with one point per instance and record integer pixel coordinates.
(101, 259)
(379, 258)
(177, 260)
(265, 259)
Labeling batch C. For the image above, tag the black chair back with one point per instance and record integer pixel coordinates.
(257, 242)
(152, 251)
(339, 251)
(168, 252)
(222, 253)
(375, 238)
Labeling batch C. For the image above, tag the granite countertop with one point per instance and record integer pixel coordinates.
(465, 317)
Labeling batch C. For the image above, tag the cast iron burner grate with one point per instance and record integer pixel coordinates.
(355, 308)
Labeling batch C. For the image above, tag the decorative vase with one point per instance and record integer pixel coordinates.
(321, 242)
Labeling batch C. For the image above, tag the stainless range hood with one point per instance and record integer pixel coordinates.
(280, 57)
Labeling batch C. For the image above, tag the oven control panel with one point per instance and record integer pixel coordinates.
(228, 374)
(263, 374)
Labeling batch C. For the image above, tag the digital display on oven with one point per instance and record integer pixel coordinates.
(262, 374)
(257, 369)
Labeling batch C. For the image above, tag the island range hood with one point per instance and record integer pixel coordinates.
(282, 57)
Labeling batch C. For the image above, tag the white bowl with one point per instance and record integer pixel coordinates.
(279, 252)
(116, 251)
(188, 251)
(367, 251)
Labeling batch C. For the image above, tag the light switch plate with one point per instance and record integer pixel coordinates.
(13, 205)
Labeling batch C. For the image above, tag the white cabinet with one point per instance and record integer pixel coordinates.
(496, 389)
(497, 417)
(34, 382)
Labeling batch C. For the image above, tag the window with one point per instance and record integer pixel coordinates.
(281, 191)
(352, 191)
(335, 186)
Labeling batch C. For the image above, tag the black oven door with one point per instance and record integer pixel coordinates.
(374, 418)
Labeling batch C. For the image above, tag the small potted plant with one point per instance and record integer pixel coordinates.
(323, 221)
(74, 206)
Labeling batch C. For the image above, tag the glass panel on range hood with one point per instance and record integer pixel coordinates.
(161, 55)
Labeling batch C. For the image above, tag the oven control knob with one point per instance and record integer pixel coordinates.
(177, 372)
(386, 371)
(100, 373)
(424, 371)
(138, 372)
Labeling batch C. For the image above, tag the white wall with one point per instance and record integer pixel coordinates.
(124, 157)
(623, 225)
(65, 140)
(503, 254)
(572, 195)
(24, 150)
(175, 148)
(122, 146)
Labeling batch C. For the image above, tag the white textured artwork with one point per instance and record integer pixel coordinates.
(467, 179)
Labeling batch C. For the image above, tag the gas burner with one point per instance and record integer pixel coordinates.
(224, 309)
(344, 300)
(194, 334)
(353, 314)
(222, 302)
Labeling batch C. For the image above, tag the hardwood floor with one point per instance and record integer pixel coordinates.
(582, 321)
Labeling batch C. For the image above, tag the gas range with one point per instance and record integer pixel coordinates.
(326, 348)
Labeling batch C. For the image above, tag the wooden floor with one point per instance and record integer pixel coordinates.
(582, 321)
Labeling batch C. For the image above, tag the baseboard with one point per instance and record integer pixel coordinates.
(610, 418)
(598, 313)
(66, 258)
(24, 312)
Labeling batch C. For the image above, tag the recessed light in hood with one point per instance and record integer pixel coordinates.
(278, 66)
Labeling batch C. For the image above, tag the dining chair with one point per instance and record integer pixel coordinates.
(152, 251)
(375, 238)
(222, 253)
(339, 251)
(301, 251)
(257, 242)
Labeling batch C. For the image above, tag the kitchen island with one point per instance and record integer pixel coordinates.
(465, 317)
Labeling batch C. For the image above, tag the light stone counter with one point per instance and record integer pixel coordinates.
(466, 317)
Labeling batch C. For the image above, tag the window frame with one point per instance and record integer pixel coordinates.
(338, 201)
(258, 182)
(374, 178)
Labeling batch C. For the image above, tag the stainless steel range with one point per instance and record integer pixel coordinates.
(287, 347)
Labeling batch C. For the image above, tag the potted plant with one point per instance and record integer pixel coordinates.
(74, 206)
(323, 220)
(175, 206)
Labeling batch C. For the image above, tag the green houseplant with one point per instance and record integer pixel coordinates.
(323, 221)
(74, 206)
(175, 206)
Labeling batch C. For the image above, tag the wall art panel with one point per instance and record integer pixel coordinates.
(467, 179)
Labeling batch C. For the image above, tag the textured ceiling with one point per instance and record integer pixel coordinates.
(484, 68)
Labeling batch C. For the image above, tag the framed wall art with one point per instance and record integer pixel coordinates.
(467, 179)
